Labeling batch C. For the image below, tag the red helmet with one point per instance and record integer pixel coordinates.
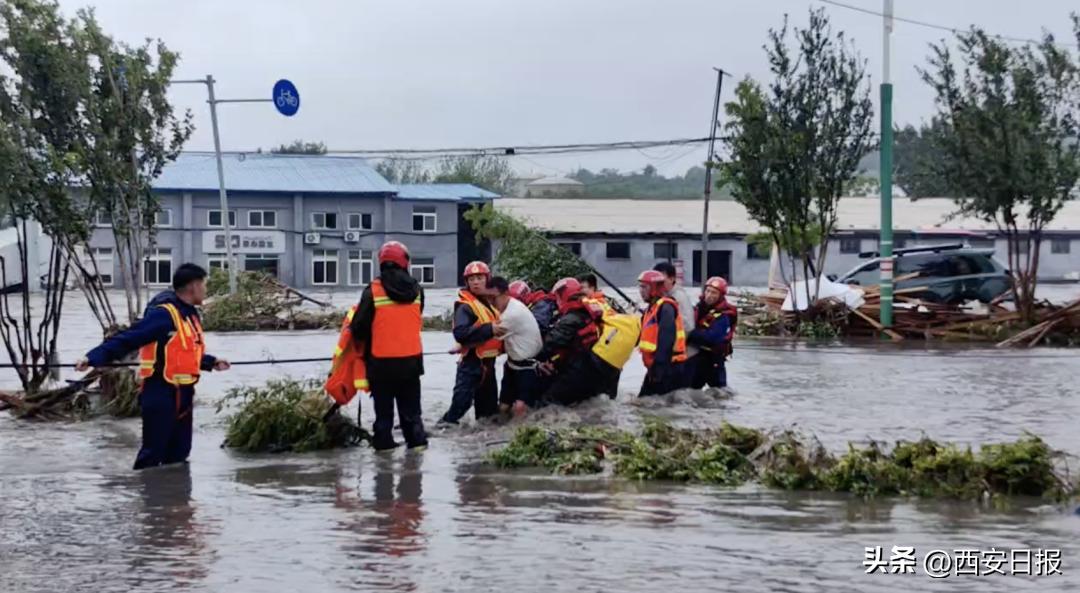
(564, 290)
(477, 268)
(519, 290)
(718, 283)
(395, 253)
(655, 281)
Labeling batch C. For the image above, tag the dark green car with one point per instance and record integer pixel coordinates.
(952, 274)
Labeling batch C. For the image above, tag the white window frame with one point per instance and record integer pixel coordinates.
(157, 218)
(426, 212)
(156, 256)
(220, 258)
(360, 221)
(262, 217)
(322, 256)
(260, 257)
(322, 227)
(232, 219)
(360, 257)
(415, 266)
(103, 257)
(103, 219)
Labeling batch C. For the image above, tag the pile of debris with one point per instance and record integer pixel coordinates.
(113, 391)
(858, 314)
(262, 302)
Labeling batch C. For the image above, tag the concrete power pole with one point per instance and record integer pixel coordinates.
(886, 249)
(709, 164)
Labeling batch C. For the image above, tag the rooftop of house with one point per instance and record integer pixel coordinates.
(635, 216)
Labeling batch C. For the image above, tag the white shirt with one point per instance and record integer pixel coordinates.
(522, 339)
(686, 309)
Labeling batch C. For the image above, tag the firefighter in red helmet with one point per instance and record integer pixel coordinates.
(477, 333)
(386, 327)
(714, 327)
(578, 373)
(663, 338)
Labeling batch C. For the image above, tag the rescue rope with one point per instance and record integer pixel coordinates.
(270, 361)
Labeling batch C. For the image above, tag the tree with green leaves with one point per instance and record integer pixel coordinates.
(1010, 117)
(488, 172)
(300, 147)
(795, 144)
(77, 111)
(403, 171)
(523, 253)
(918, 160)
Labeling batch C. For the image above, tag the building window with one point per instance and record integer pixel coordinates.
(213, 218)
(981, 243)
(217, 261)
(264, 263)
(424, 219)
(423, 269)
(262, 219)
(850, 245)
(103, 219)
(157, 267)
(360, 221)
(163, 218)
(1021, 246)
(667, 251)
(574, 248)
(324, 264)
(361, 267)
(101, 259)
(618, 250)
(1060, 245)
(324, 221)
(899, 242)
(753, 252)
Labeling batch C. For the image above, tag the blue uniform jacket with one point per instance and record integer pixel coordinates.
(155, 326)
(713, 337)
(665, 340)
(466, 332)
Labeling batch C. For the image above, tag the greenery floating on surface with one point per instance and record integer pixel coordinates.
(286, 415)
(732, 455)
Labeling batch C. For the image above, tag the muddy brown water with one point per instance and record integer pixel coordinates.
(74, 517)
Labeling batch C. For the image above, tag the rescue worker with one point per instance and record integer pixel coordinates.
(714, 329)
(567, 352)
(686, 311)
(172, 353)
(386, 329)
(478, 338)
(663, 339)
(522, 342)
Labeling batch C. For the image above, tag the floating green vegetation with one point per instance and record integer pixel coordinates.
(286, 415)
(731, 455)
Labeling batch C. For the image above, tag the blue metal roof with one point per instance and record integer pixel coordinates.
(451, 192)
(267, 172)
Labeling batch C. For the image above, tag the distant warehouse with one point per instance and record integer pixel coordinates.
(621, 237)
(312, 221)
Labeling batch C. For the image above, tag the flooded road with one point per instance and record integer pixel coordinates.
(74, 517)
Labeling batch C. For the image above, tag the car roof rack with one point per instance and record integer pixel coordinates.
(908, 250)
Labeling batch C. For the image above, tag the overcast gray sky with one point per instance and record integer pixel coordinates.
(434, 73)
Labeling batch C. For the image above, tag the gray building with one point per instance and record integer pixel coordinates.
(312, 221)
(620, 238)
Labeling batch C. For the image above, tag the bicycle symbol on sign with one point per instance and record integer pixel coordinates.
(287, 98)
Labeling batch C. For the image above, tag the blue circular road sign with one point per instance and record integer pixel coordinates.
(286, 98)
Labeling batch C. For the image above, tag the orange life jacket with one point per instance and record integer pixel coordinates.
(348, 372)
(716, 312)
(395, 330)
(182, 353)
(650, 333)
(484, 314)
(599, 297)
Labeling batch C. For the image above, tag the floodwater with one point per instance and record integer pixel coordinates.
(74, 517)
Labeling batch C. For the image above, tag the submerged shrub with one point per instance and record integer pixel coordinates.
(286, 415)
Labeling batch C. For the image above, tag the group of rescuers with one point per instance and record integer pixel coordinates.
(562, 347)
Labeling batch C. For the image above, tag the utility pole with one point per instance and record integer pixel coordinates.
(886, 248)
(225, 218)
(709, 164)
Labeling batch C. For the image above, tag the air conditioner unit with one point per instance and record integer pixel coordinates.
(312, 238)
(352, 237)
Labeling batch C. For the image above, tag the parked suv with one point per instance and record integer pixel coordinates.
(951, 273)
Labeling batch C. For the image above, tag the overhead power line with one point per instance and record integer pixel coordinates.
(930, 25)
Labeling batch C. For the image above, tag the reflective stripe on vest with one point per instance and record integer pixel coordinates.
(395, 329)
(182, 352)
(650, 332)
(348, 372)
(484, 314)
